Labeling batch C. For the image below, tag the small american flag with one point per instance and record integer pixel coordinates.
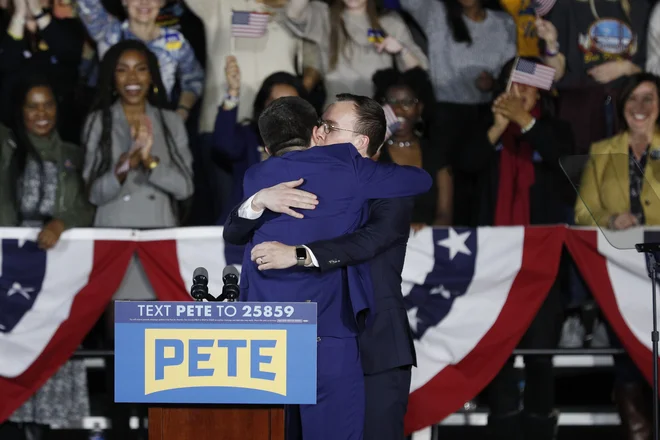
(391, 120)
(246, 24)
(532, 74)
(543, 7)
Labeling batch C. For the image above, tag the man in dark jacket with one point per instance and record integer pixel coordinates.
(386, 345)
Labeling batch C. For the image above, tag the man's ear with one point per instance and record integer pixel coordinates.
(362, 145)
(318, 136)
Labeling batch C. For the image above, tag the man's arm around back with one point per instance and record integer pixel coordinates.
(389, 221)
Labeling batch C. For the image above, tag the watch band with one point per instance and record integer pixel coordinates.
(301, 255)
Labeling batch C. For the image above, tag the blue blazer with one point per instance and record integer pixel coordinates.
(343, 182)
(239, 145)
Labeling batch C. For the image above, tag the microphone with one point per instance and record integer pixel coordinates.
(655, 154)
(200, 288)
(230, 289)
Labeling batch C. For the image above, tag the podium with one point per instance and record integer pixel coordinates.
(215, 371)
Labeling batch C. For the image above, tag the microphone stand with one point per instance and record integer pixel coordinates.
(229, 292)
(652, 251)
(200, 292)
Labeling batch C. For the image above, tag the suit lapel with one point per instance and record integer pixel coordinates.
(620, 162)
(651, 187)
(122, 131)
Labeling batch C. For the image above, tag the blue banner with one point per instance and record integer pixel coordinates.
(205, 352)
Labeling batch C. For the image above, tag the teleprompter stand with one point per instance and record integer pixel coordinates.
(603, 185)
(652, 252)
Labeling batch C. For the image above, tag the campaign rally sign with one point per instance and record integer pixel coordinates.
(205, 352)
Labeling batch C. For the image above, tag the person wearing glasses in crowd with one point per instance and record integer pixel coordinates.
(386, 345)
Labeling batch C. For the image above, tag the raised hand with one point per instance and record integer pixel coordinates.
(548, 32)
(233, 75)
(511, 108)
(34, 6)
(274, 3)
(20, 8)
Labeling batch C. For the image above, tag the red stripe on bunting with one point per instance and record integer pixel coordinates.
(456, 384)
(583, 246)
(161, 264)
(110, 262)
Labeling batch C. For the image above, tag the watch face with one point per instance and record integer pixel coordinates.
(301, 253)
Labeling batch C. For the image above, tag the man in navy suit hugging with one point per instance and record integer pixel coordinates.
(386, 348)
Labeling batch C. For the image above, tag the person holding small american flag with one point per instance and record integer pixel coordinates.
(516, 152)
(468, 45)
(254, 32)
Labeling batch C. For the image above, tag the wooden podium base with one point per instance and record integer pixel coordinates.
(249, 422)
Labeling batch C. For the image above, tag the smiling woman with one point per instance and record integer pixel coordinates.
(41, 180)
(618, 191)
(41, 187)
(138, 163)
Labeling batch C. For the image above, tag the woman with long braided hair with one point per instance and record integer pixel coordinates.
(138, 167)
(138, 164)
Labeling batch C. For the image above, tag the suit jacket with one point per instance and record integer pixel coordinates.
(343, 182)
(605, 186)
(387, 342)
(144, 200)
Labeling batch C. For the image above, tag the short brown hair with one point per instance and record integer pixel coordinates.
(370, 120)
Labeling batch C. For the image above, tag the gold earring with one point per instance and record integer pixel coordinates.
(155, 90)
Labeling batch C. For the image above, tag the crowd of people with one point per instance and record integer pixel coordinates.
(143, 114)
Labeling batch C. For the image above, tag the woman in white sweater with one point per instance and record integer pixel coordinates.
(354, 42)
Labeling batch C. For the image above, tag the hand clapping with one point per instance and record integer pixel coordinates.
(144, 138)
(510, 108)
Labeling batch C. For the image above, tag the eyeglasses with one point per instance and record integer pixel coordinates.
(328, 127)
(406, 104)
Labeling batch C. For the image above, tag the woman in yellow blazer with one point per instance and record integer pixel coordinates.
(612, 189)
(618, 188)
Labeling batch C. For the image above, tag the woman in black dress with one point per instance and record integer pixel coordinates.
(406, 92)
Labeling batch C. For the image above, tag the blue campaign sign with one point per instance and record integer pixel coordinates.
(205, 352)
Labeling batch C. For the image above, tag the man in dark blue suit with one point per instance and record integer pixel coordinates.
(344, 182)
(386, 348)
